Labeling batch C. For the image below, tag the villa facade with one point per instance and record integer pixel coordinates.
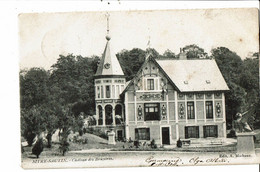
(165, 101)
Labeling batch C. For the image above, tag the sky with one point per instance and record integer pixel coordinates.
(44, 36)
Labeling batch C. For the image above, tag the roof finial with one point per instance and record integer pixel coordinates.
(149, 42)
(148, 49)
(108, 37)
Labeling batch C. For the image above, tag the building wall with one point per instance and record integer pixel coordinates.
(174, 104)
(180, 121)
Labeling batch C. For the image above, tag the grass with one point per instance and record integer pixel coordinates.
(94, 142)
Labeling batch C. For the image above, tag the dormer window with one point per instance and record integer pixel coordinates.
(150, 84)
(208, 81)
(186, 82)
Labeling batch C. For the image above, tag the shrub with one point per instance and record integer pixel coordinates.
(153, 145)
(232, 134)
(80, 132)
(130, 140)
(64, 146)
(89, 130)
(136, 143)
(38, 147)
(84, 130)
(179, 143)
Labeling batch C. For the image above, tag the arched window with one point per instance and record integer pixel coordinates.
(119, 114)
(108, 113)
(100, 115)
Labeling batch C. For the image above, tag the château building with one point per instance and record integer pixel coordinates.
(165, 101)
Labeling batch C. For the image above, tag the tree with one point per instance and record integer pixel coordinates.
(249, 80)
(32, 123)
(68, 122)
(33, 87)
(168, 54)
(72, 78)
(131, 61)
(230, 65)
(194, 52)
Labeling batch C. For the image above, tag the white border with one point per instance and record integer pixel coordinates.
(9, 91)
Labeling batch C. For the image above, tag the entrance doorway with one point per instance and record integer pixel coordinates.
(165, 136)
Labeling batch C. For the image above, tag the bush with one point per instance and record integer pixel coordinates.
(64, 146)
(80, 132)
(89, 130)
(136, 143)
(153, 145)
(38, 148)
(179, 143)
(232, 134)
(84, 130)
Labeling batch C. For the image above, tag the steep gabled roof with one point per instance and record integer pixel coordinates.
(194, 75)
(148, 58)
(109, 64)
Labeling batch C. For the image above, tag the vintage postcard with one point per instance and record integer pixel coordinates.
(139, 88)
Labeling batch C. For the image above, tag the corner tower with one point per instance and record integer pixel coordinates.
(109, 84)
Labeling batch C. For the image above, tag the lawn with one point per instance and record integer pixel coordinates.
(93, 142)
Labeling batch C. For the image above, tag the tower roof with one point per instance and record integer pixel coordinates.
(109, 65)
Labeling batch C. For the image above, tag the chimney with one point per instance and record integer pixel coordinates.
(182, 55)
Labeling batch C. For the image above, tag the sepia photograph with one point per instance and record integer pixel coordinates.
(139, 88)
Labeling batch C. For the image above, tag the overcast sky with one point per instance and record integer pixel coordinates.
(44, 36)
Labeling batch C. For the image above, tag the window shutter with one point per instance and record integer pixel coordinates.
(186, 132)
(136, 134)
(216, 130)
(204, 131)
(197, 132)
(147, 133)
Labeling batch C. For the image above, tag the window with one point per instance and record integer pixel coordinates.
(102, 93)
(142, 134)
(113, 91)
(117, 90)
(190, 110)
(192, 132)
(150, 84)
(98, 92)
(209, 109)
(152, 112)
(107, 91)
(210, 131)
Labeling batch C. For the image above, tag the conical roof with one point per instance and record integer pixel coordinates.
(109, 65)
